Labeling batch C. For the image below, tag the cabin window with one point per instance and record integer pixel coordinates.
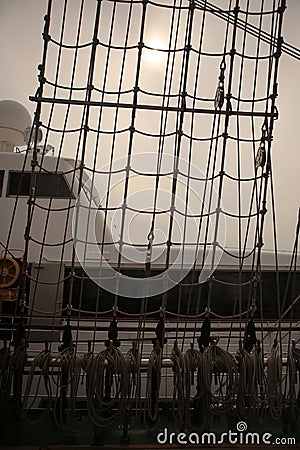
(47, 185)
(1, 180)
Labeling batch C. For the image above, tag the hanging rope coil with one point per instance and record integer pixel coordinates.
(17, 363)
(42, 362)
(220, 365)
(293, 367)
(107, 387)
(75, 374)
(245, 368)
(67, 363)
(258, 388)
(85, 359)
(178, 385)
(274, 379)
(5, 378)
(153, 383)
(193, 365)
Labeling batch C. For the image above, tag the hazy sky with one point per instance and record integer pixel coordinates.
(21, 25)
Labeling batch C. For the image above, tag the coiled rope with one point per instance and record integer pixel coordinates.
(258, 380)
(153, 383)
(193, 364)
(17, 363)
(5, 378)
(107, 387)
(274, 379)
(42, 362)
(222, 365)
(178, 385)
(245, 366)
(70, 367)
(293, 366)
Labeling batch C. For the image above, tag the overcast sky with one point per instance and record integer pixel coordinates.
(21, 25)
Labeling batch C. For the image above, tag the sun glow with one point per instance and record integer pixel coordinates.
(155, 55)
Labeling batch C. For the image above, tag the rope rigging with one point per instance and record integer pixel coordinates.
(203, 108)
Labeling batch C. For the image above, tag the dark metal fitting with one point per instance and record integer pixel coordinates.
(223, 65)
(260, 244)
(263, 211)
(282, 7)
(42, 79)
(46, 37)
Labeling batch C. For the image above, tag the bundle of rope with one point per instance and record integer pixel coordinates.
(85, 359)
(244, 392)
(17, 363)
(107, 386)
(274, 380)
(74, 374)
(69, 366)
(153, 383)
(178, 385)
(5, 378)
(258, 387)
(42, 362)
(293, 366)
(192, 365)
(222, 365)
